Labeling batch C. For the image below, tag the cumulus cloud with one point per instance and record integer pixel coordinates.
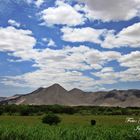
(13, 23)
(17, 42)
(65, 66)
(131, 73)
(131, 63)
(68, 65)
(127, 37)
(62, 14)
(68, 79)
(82, 34)
(106, 75)
(131, 60)
(111, 10)
(101, 57)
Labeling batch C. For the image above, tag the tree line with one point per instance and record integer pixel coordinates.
(27, 110)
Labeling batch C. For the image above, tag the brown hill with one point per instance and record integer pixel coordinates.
(56, 94)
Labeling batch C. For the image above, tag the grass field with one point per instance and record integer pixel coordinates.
(72, 127)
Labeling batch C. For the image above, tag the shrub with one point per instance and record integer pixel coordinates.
(51, 119)
(1, 112)
(93, 122)
(24, 111)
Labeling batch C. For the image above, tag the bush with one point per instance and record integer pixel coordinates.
(51, 119)
(93, 122)
(24, 111)
(1, 112)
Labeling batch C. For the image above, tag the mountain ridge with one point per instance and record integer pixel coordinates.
(56, 94)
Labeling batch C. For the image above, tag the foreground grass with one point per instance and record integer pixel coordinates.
(73, 127)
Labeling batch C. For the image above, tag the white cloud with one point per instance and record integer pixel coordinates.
(82, 34)
(107, 75)
(111, 10)
(13, 23)
(98, 57)
(130, 75)
(65, 66)
(18, 42)
(63, 14)
(107, 69)
(68, 79)
(128, 37)
(50, 42)
(62, 66)
(131, 60)
(38, 3)
(45, 39)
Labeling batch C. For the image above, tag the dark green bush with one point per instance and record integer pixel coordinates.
(24, 111)
(1, 112)
(51, 119)
(93, 122)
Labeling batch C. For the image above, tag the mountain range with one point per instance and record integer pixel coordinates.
(56, 94)
(2, 98)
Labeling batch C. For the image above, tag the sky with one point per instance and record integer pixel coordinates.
(93, 45)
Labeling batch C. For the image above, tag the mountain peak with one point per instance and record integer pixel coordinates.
(57, 87)
(56, 94)
(76, 90)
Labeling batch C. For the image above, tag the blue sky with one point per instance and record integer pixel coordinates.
(88, 44)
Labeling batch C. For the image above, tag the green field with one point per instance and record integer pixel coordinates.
(72, 127)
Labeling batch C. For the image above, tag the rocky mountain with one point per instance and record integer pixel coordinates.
(56, 94)
(2, 98)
